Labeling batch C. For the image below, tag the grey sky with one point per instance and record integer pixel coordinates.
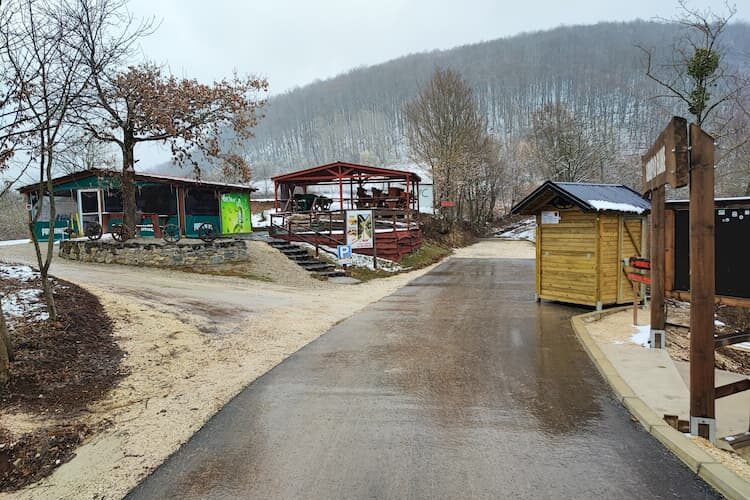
(294, 42)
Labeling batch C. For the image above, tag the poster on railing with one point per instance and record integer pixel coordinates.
(360, 228)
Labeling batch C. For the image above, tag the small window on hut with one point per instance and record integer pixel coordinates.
(161, 200)
(112, 200)
(201, 202)
(89, 202)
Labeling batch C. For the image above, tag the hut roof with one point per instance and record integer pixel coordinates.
(98, 173)
(585, 196)
(332, 173)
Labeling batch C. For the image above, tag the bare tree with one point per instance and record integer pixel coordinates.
(82, 152)
(698, 75)
(48, 68)
(446, 132)
(565, 149)
(139, 104)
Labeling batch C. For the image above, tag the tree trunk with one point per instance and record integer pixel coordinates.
(6, 349)
(128, 183)
(49, 298)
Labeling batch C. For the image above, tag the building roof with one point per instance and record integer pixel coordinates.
(730, 202)
(140, 177)
(585, 196)
(332, 172)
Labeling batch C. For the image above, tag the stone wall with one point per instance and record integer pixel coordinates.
(138, 253)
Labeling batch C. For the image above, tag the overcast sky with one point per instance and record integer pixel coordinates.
(294, 42)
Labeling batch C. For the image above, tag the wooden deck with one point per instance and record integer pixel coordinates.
(396, 232)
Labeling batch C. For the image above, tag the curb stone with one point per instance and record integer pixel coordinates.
(714, 473)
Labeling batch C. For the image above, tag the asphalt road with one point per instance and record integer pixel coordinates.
(459, 385)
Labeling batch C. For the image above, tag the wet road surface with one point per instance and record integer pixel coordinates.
(459, 385)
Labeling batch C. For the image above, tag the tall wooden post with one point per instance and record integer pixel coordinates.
(702, 283)
(658, 316)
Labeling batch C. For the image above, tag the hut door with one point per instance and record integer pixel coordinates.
(89, 203)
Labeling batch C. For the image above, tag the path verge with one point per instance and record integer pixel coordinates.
(714, 473)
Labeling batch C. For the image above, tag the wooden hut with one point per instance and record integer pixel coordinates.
(584, 231)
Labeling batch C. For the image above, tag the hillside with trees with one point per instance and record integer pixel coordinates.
(590, 80)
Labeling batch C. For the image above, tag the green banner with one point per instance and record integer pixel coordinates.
(235, 213)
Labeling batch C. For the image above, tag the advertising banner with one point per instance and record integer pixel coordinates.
(360, 228)
(235, 213)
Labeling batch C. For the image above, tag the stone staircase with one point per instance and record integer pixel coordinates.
(305, 260)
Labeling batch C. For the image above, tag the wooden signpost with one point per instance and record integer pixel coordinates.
(678, 158)
(702, 284)
(666, 162)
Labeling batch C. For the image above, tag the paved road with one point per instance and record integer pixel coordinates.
(456, 386)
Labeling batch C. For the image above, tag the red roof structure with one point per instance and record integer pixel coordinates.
(332, 173)
(347, 176)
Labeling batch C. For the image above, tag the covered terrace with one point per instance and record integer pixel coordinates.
(311, 206)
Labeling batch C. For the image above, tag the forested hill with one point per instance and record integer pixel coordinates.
(597, 71)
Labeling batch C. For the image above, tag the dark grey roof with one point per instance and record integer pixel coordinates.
(587, 197)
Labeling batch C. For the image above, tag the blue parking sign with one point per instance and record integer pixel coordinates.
(344, 253)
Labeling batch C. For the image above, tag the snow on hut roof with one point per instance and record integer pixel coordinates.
(586, 196)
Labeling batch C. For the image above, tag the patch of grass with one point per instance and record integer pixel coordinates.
(367, 274)
(428, 253)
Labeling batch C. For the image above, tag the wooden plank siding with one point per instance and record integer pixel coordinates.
(579, 260)
(567, 259)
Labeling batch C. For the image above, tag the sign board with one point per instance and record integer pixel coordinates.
(447, 203)
(550, 217)
(667, 160)
(235, 213)
(360, 228)
(344, 254)
(29, 207)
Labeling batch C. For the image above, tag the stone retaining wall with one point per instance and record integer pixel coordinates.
(137, 253)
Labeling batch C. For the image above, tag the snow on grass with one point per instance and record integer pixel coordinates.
(24, 303)
(642, 336)
(7, 243)
(262, 219)
(17, 272)
(358, 259)
(27, 303)
(602, 205)
(524, 230)
(719, 323)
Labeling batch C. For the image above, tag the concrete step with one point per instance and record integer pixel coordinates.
(331, 274)
(317, 267)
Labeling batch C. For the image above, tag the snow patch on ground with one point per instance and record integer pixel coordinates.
(262, 219)
(17, 272)
(524, 230)
(7, 243)
(25, 303)
(602, 205)
(358, 259)
(642, 336)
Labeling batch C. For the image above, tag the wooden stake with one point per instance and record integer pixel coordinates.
(658, 316)
(702, 277)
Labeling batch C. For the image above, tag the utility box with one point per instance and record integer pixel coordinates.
(584, 231)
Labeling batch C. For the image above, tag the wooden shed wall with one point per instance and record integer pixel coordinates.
(610, 265)
(566, 258)
(579, 260)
